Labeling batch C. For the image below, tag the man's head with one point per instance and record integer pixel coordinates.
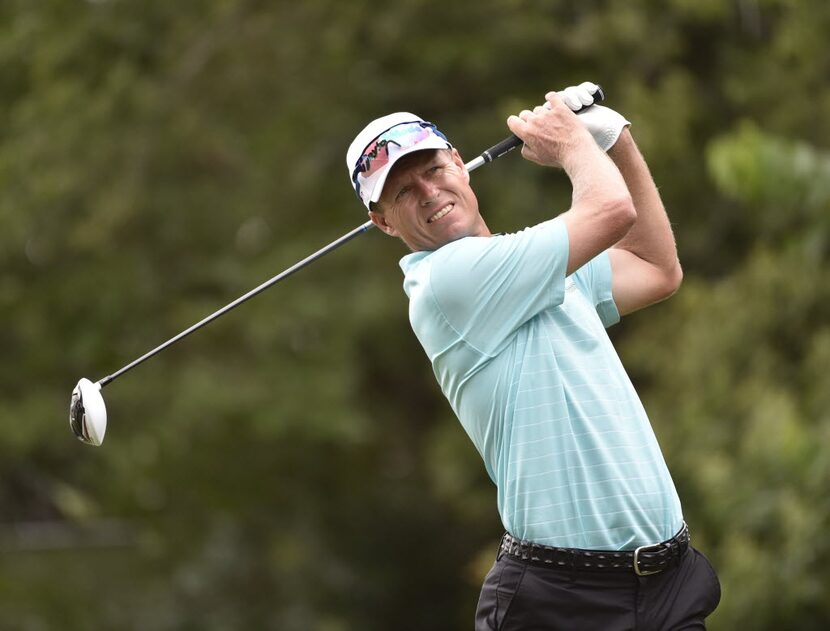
(413, 182)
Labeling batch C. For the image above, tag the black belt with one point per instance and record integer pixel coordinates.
(643, 561)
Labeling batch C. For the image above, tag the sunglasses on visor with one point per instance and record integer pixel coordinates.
(387, 145)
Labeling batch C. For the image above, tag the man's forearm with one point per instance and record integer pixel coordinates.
(601, 211)
(651, 237)
(594, 178)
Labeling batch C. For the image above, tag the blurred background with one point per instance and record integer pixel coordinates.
(294, 466)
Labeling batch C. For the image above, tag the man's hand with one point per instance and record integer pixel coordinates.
(605, 124)
(551, 132)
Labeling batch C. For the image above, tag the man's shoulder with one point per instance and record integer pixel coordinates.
(411, 261)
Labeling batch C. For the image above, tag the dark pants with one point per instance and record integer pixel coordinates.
(520, 595)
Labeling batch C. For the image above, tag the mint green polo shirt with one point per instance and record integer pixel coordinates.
(521, 353)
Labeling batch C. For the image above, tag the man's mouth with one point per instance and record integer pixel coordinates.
(441, 213)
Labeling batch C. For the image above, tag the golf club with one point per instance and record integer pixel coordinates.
(87, 412)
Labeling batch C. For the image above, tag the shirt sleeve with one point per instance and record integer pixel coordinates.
(594, 281)
(486, 288)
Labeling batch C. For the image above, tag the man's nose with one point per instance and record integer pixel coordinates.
(427, 192)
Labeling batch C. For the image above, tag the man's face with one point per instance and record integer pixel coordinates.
(427, 201)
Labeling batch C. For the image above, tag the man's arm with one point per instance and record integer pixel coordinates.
(644, 264)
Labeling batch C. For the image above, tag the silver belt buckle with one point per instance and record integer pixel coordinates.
(637, 569)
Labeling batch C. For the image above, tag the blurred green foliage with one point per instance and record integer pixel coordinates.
(294, 466)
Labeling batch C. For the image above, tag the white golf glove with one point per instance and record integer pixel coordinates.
(605, 124)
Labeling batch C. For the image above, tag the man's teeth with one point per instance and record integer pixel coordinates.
(440, 213)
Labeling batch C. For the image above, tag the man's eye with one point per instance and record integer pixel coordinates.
(402, 192)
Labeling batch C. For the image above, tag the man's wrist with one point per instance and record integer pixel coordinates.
(584, 149)
(623, 146)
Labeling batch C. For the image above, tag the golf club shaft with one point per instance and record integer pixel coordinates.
(496, 151)
(256, 290)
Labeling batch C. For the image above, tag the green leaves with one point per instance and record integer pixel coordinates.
(786, 182)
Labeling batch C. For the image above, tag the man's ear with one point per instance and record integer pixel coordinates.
(459, 162)
(380, 221)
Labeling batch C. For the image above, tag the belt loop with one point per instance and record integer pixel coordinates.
(572, 561)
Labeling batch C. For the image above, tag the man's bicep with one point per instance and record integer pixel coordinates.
(636, 283)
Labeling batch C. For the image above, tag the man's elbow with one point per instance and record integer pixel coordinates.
(663, 284)
(672, 279)
(621, 214)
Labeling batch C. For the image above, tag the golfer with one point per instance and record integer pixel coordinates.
(514, 325)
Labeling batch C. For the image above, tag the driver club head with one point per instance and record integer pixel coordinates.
(87, 413)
